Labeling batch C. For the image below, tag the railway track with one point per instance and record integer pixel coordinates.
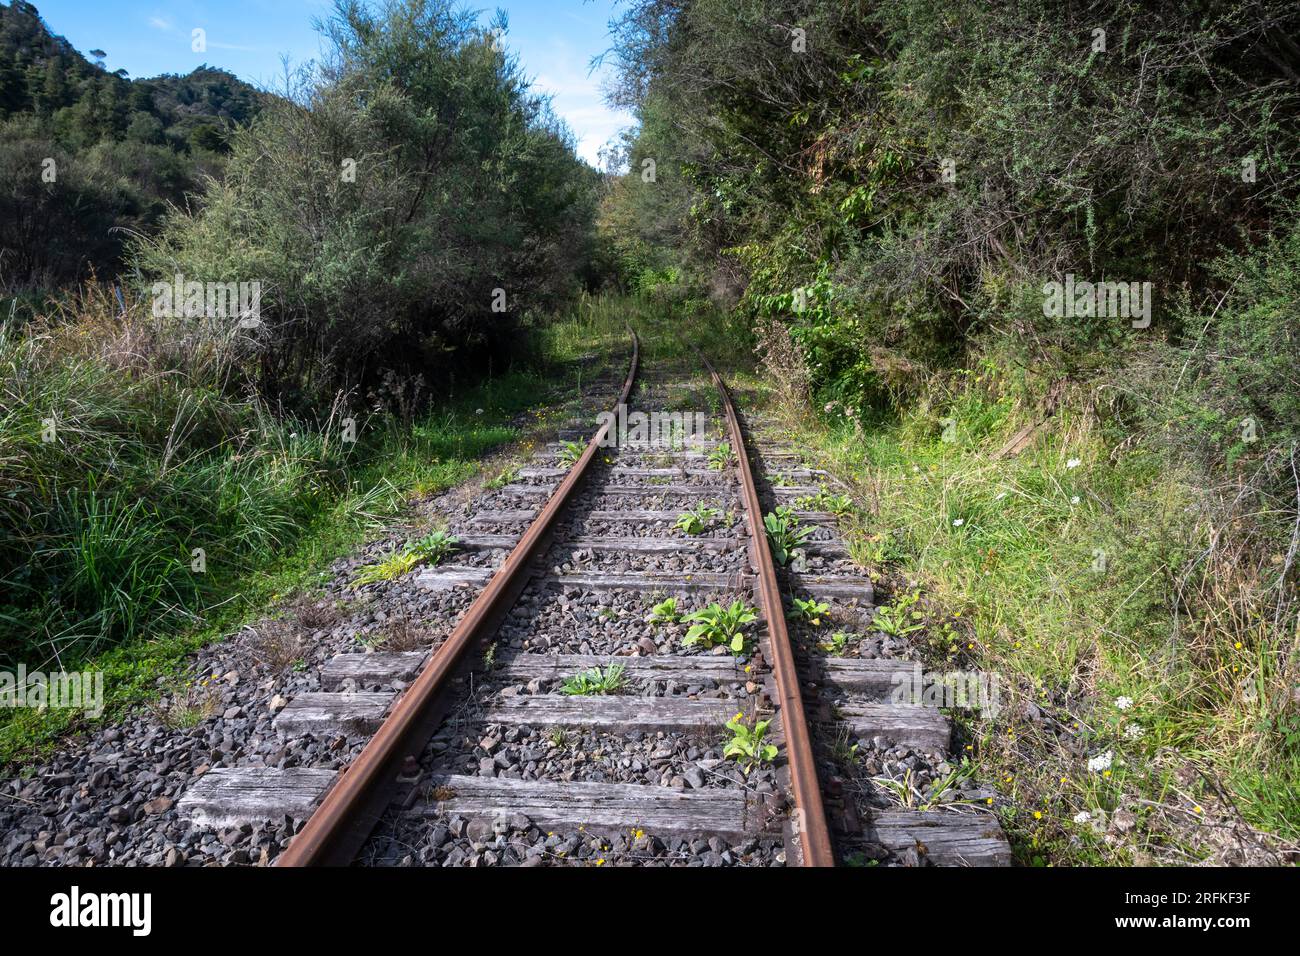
(568, 718)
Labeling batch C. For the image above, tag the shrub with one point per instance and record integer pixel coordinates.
(446, 200)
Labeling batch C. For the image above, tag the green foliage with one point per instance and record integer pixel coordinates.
(838, 505)
(502, 478)
(122, 151)
(746, 744)
(998, 151)
(150, 462)
(665, 612)
(720, 456)
(900, 618)
(838, 643)
(716, 624)
(570, 452)
(696, 520)
(595, 680)
(433, 547)
(392, 566)
(784, 533)
(432, 165)
(1225, 395)
(810, 611)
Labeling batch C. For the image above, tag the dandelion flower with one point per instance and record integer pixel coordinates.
(1038, 814)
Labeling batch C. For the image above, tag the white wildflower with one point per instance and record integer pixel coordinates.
(1134, 731)
(1123, 703)
(1074, 500)
(958, 522)
(1101, 762)
(1073, 463)
(1083, 816)
(478, 411)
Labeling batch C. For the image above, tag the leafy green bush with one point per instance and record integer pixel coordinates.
(952, 158)
(430, 166)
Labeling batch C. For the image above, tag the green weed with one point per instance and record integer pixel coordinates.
(716, 624)
(595, 680)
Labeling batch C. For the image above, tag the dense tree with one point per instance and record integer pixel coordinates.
(916, 169)
(401, 210)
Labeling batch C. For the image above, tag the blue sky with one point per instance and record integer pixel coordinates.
(555, 41)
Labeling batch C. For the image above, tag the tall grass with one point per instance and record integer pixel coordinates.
(141, 484)
(1097, 580)
(158, 449)
(121, 458)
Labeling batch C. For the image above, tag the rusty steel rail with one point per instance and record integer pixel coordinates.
(810, 815)
(347, 814)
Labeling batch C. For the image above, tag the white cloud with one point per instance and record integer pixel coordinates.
(576, 95)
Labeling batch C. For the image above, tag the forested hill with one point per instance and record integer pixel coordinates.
(127, 148)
